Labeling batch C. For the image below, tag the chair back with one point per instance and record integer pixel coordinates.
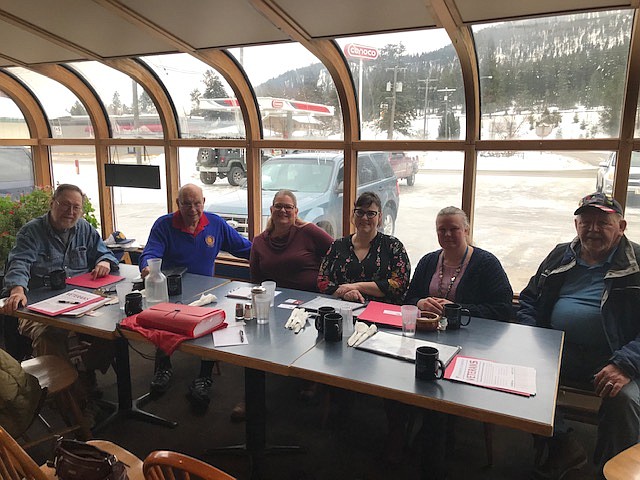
(15, 464)
(166, 465)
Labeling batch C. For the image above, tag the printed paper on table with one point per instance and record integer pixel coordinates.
(65, 302)
(498, 376)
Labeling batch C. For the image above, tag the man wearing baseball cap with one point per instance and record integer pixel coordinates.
(590, 288)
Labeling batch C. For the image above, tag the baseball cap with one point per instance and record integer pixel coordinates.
(120, 238)
(601, 201)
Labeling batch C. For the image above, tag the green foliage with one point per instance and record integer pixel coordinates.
(15, 213)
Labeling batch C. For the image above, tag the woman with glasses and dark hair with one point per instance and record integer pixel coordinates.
(290, 250)
(368, 264)
(460, 273)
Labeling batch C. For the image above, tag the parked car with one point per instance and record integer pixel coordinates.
(215, 163)
(317, 181)
(403, 166)
(16, 171)
(606, 172)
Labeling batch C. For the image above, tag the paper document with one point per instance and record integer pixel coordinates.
(65, 302)
(499, 376)
(330, 302)
(243, 293)
(404, 348)
(234, 335)
(77, 312)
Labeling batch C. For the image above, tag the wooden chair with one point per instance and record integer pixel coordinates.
(58, 377)
(624, 466)
(15, 464)
(165, 465)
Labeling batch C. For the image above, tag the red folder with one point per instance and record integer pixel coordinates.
(86, 281)
(382, 314)
(185, 320)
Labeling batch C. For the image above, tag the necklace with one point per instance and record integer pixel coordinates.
(453, 277)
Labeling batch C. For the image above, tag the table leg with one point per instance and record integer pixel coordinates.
(255, 427)
(126, 406)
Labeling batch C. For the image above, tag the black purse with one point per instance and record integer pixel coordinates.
(74, 460)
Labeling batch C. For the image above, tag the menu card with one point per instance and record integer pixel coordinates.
(498, 376)
(65, 302)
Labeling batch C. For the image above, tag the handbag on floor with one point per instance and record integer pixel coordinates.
(75, 460)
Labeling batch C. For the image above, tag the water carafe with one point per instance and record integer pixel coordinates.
(155, 285)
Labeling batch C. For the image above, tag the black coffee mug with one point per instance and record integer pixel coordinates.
(322, 311)
(454, 312)
(56, 280)
(133, 303)
(428, 365)
(333, 327)
(174, 285)
(138, 283)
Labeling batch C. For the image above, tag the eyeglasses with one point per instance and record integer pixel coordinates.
(283, 206)
(358, 212)
(197, 205)
(68, 206)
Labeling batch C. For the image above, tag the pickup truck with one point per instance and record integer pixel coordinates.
(403, 166)
(215, 163)
(316, 179)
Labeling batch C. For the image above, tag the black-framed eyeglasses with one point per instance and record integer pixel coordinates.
(68, 207)
(283, 206)
(358, 212)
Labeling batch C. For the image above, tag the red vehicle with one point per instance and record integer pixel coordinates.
(403, 166)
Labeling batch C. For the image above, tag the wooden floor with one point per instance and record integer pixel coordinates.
(350, 446)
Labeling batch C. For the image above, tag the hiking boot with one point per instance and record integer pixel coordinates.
(199, 392)
(161, 380)
(565, 454)
(239, 412)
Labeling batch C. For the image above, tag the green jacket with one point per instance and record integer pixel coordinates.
(19, 396)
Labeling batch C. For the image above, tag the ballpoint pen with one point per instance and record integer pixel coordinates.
(69, 302)
(241, 336)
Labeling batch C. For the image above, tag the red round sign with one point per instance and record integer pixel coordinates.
(353, 50)
(277, 103)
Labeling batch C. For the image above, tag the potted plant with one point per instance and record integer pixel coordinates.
(15, 213)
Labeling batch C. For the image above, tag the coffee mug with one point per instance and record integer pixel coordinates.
(333, 327)
(56, 280)
(133, 303)
(174, 285)
(428, 365)
(322, 311)
(138, 283)
(453, 313)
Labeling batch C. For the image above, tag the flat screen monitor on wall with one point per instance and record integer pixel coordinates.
(140, 176)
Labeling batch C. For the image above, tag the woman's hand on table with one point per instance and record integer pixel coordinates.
(16, 299)
(432, 304)
(349, 292)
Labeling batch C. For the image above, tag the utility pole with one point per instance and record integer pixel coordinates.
(425, 126)
(446, 91)
(395, 86)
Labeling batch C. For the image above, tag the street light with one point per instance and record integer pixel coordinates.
(425, 130)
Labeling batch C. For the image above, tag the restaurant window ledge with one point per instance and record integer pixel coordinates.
(233, 268)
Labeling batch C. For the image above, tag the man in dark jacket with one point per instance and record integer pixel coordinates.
(590, 288)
